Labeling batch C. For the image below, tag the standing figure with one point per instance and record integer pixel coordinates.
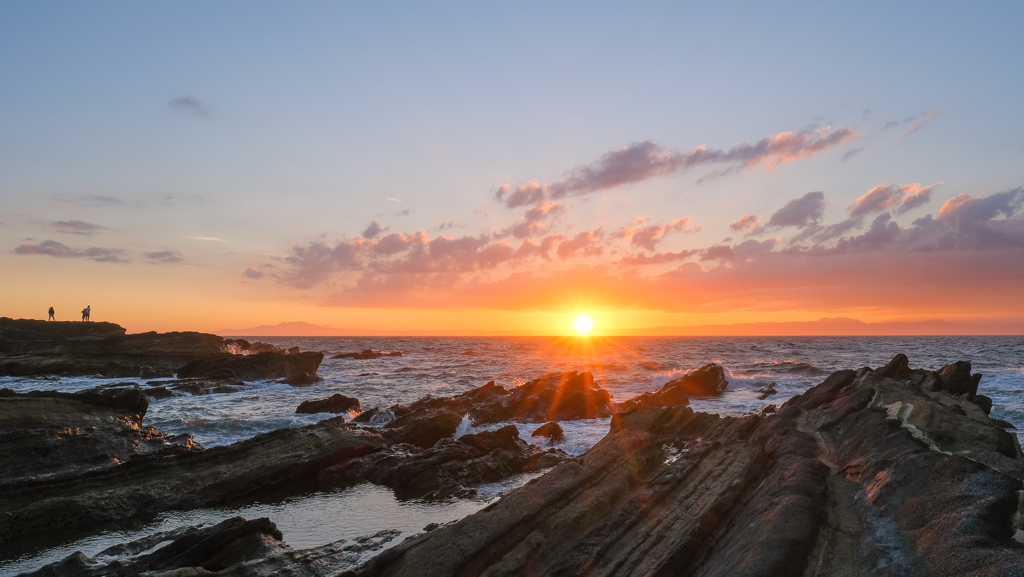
(87, 310)
(51, 315)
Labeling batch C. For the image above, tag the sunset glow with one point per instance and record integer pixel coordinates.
(583, 324)
(458, 202)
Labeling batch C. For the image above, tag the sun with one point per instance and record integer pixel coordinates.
(583, 324)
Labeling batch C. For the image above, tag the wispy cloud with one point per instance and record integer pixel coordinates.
(190, 105)
(648, 236)
(903, 198)
(800, 212)
(59, 250)
(207, 238)
(405, 212)
(394, 199)
(373, 229)
(914, 123)
(746, 222)
(76, 227)
(253, 273)
(165, 257)
(645, 160)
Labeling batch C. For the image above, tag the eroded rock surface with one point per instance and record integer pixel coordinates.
(334, 404)
(869, 473)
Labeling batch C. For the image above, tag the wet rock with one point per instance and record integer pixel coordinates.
(50, 434)
(450, 467)
(244, 347)
(302, 379)
(196, 386)
(766, 390)
(294, 351)
(254, 367)
(380, 417)
(335, 404)
(864, 474)
(708, 380)
(552, 431)
(422, 429)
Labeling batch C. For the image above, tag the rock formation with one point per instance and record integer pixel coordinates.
(31, 348)
(879, 472)
(335, 404)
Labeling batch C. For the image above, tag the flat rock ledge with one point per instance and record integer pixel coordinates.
(887, 472)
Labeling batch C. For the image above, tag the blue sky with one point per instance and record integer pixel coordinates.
(275, 126)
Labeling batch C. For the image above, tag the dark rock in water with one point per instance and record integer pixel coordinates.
(861, 475)
(302, 379)
(553, 397)
(30, 347)
(254, 367)
(335, 404)
(232, 548)
(244, 347)
(197, 386)
(294, 351)
(422, 429)
(552, 431)
(653, 366)
(381, 417)
(448, 468)
(50, 434)
(707, 380)
(766, 390)
(367, 354)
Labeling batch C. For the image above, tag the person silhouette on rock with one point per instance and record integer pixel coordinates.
(85, 313)
(51, 315)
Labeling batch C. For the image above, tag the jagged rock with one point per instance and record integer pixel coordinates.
(422, 429)
(302, 379)
(766, 390)
(367, 354)
(552, 431)
(380, 417)
(254, 367)
(196, 386)
(865, 474)
(707, 380)
(244, 347)
(335, 404)
(30, 347)
(50, 434)
(449, 467)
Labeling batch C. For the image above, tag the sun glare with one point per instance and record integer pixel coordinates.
(583, 324)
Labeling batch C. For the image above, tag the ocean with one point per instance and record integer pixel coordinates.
(443, 366)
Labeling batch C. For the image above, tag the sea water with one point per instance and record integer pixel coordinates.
(443, 366)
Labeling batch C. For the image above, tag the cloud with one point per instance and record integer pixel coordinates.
(743, 251)
(253, 273)
(801, 212)
(648, 236)
(77, 227)
(534, 221)
(883, 197)
(586, 243)
(405, 212)
(644, 160)
(56, 249)
(657, 258)
(394, 199)
(165, 257)
(189, 105)
(208, 238)
(373, 230)
(851, 153)
(915, 123)
(747, 221)
(89, 199)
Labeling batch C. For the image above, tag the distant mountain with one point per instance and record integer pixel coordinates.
(836, 326)
(292, 329)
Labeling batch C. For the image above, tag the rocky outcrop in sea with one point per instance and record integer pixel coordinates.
(888, 471)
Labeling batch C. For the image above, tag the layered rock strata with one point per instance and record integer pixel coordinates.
(886, 472)
(35, 348)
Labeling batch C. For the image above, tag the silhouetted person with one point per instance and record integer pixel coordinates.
(51, 315)
(85, 313)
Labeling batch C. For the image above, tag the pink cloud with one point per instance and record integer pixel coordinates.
(648, 236)
(644, 160)
(747, 221)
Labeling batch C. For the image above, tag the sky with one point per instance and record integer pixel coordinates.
(478, 167)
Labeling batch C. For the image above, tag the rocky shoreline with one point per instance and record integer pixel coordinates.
(887, 471)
